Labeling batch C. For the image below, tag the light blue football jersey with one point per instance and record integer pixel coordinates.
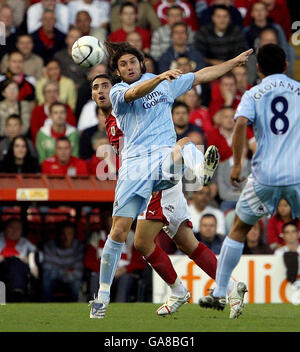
(273, 106)
(147, 122)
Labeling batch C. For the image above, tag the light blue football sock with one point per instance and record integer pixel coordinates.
(109, 262)
(230, 255)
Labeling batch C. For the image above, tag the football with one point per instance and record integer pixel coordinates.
(88, 51)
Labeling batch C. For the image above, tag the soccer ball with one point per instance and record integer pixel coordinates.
(88, 51)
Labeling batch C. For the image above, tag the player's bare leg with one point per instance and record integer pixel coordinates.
(231, 252)
(145, 234)
(109, 261)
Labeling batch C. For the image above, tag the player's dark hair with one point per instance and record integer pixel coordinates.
(290, 223)
(271, 59)
(178, 104)
(113, 79)
(14, 117)
(117, 50)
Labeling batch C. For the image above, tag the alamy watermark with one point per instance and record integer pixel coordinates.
(295, 38)
(2, 293)
(2, 34)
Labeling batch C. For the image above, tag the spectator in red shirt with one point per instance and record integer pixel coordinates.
(223, 93)
(199, 115)
(275, 224)
(221, 136)
(15, 72)
(63, 163)
(128, 18)
(189, 12)
(40, 114)
(14, 253)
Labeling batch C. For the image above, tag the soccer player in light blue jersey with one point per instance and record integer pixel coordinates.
(142, 105)
(273, 109)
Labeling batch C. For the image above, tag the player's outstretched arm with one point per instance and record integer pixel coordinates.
(238, 144)
(211, 73)
(146, 87)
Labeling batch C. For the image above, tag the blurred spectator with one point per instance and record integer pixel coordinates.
(161, 37)
(35, 15)
(189, 14)
(83, 23)
(135, 39)
(236, 17)
(179, 37)
(150, 64)
(18, 9)
(13, 128)
(221, 136)
(220, 40)
(14, 258)
(45, 141)
(241, 77)
(223, 93)
(279, 12)
(207, 233)
(15, 72)
(33, 64)
(86, 149)
(106, 156)
(180, 115)
(128, 18)
(67, 89)
(229, 194)
(186, 65)
(268, 36)
(62, 162)
(68, 67)
(147, 17)
(199, 115)
(47, 39)
(259, 22)
(10, 105)
(63, 264)
(99, 11)
(291, 253)
(200, 206)
(84, 91)
(18, 158)
(8, 41)
(282, 216)
(254, 242)
(40, 113)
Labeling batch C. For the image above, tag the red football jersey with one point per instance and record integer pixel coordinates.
(113, 132)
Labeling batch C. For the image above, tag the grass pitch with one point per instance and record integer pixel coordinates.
(141, 317)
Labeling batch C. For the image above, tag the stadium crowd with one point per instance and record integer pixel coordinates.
(49, 124)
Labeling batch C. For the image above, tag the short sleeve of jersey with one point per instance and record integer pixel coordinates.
(246, 107)
(181, 85)
(117, 98)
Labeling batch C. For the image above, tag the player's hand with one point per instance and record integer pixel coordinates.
(243, 57)
(170, 75)
(235, 178)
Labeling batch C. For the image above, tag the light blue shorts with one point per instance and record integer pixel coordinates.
(258, 200)
(138, 178)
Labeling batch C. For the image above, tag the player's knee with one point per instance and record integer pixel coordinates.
(141, 246)
(118, 234)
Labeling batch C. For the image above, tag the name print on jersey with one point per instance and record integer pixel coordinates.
(272, 85)
(153, 99)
